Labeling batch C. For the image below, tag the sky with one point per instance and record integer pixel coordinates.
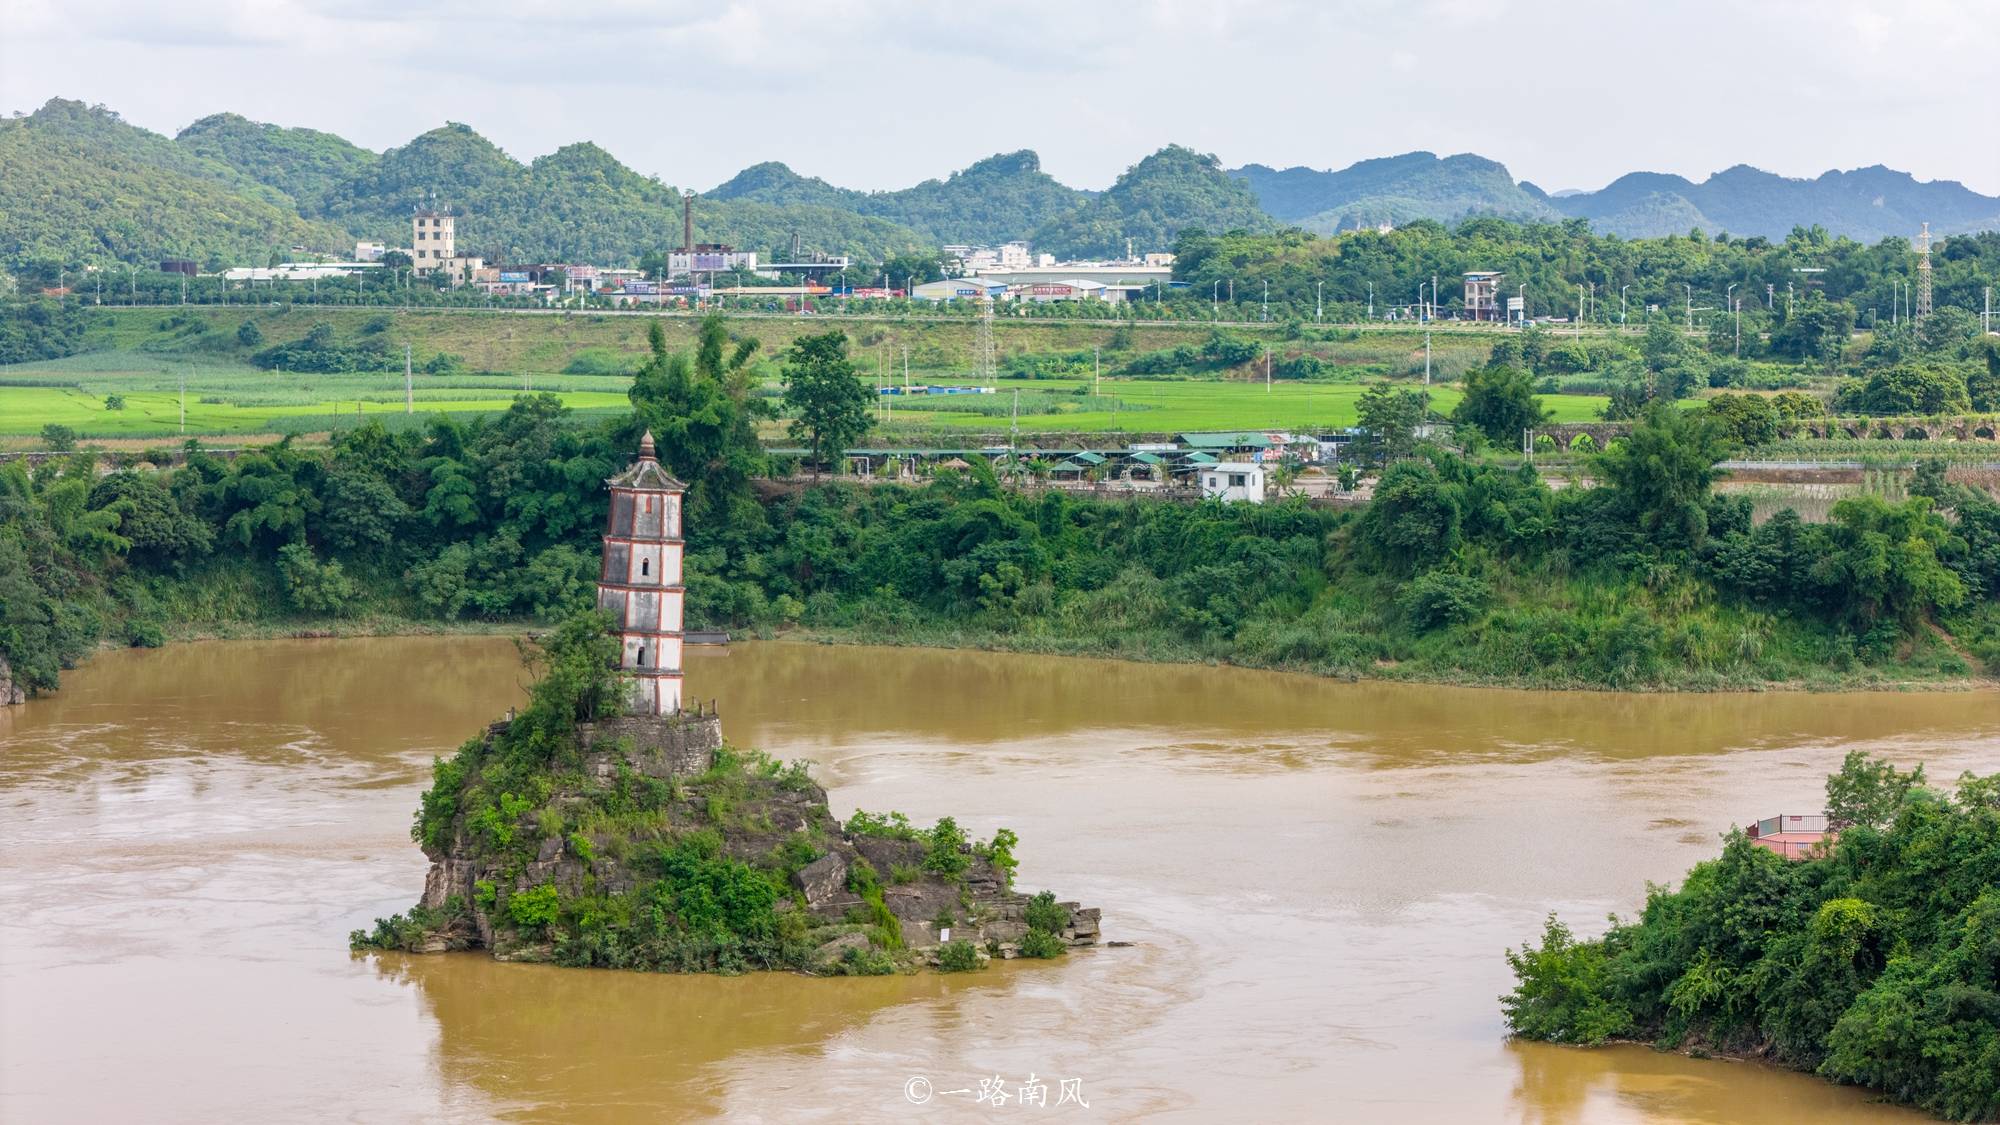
(1566, 93)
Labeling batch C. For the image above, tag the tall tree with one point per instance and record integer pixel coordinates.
(706, 437)
(1501, 403)
(1661, 473)
(828, 401)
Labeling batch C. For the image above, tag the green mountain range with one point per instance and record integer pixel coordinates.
(1394, 189)
(80, 185)
(1867, 204)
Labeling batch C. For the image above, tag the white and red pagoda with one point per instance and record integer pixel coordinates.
(640, 583)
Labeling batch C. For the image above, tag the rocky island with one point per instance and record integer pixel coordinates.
(608, 825)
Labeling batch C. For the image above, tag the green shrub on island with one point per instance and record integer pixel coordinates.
(959, 956)
(1876, 964)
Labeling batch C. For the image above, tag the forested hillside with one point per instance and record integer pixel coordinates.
(1393, 189)
(79, 185)
(1172, 190)
(311, 167)
(998, 199)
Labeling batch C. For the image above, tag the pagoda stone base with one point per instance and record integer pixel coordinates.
(660, 745)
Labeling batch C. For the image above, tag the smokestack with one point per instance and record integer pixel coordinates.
(687, 223)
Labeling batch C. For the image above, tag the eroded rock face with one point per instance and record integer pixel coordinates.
(10, 692)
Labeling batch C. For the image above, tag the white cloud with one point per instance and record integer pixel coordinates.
(882, 94)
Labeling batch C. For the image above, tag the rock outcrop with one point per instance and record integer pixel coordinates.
(10, 691)
(644, 795)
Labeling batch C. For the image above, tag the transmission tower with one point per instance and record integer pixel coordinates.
(1924, 273)
(986, 341)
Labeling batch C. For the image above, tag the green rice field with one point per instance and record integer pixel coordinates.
(225, 398)
(1164, 406)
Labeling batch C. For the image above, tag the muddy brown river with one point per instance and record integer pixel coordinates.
(1319, 879)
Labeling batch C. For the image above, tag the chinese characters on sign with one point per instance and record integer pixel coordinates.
(997, 1093)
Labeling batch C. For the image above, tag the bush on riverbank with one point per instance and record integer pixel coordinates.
(1878, 964)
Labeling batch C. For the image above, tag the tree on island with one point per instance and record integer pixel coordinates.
(829, 402)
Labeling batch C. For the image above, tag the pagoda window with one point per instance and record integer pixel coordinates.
(645, 566)
(642, 656)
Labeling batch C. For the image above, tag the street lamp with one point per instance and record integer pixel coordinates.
(1319, 300)
(1621, 304)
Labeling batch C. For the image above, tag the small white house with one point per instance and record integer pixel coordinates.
(1230, 481)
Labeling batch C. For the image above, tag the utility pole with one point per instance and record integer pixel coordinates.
(1690, 313)
(1096, 370)
(1923, 274)
(1319, 302)
(1267, 369)
(1266, 314)
(1014, 432)
(1215, 299)
(409, 385)
(1371, 300)
(1621, 305)
(1737, 308)
(184, 402)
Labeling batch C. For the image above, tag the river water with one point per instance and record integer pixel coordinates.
(1318, 877)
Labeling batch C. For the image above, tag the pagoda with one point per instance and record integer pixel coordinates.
(640, 581)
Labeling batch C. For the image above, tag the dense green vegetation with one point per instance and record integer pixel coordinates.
(1878, 964)
(1460, 569)
(1548, 263)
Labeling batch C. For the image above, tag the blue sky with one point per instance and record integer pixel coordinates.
(1567, 93)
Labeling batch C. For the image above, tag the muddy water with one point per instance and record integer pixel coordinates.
(1320, 878)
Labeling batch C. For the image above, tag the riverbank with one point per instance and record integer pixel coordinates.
(1871, 679)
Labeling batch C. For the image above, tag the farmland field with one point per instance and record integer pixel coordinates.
(1149, 406)
(226, 398)
(144, 355)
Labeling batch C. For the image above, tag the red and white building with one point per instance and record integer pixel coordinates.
(640, 583)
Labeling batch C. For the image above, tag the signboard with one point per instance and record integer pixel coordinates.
(510, 275)
(707, 262)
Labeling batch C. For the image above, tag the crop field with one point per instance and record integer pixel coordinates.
(1150, 406)
(226, 398)
(144, 355)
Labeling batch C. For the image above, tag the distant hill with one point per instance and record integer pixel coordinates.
(1393, 189)
(1867, 204)
(1167, 192)
(78, 184)
(309, 166)
(998, 199)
